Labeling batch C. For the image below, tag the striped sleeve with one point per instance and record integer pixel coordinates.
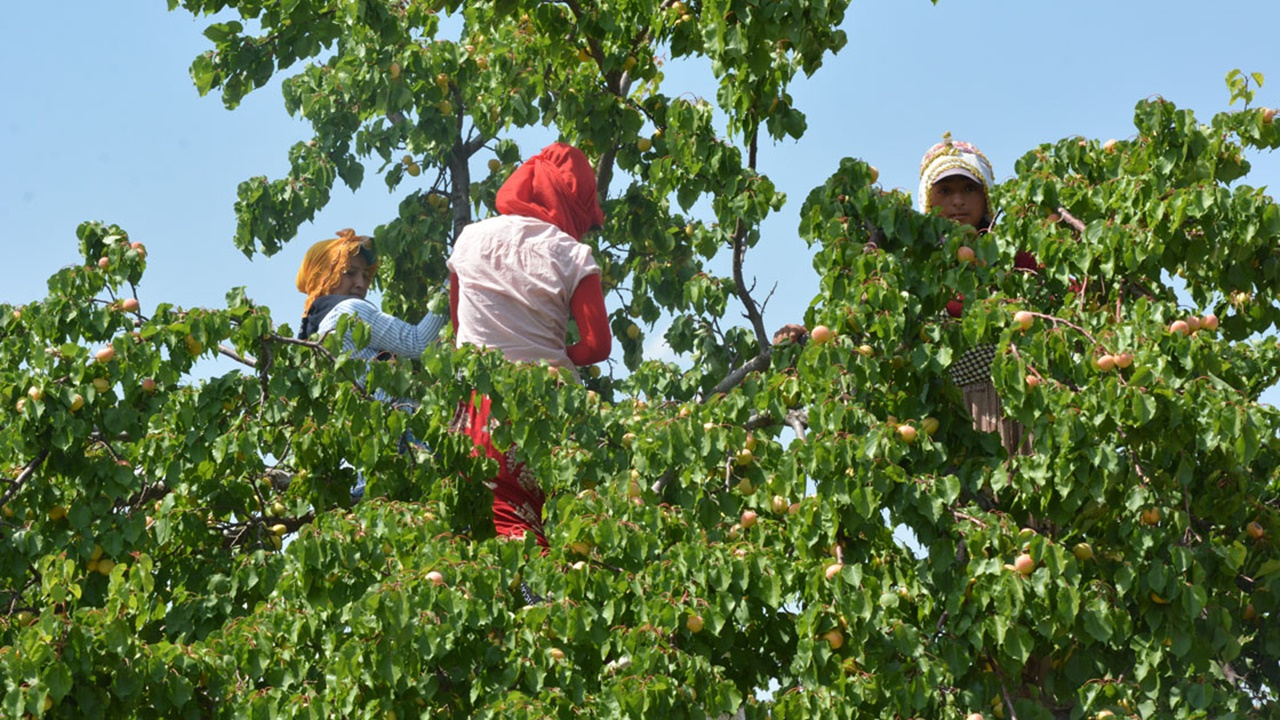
(387, 333)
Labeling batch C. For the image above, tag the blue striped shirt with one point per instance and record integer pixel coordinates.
(387, 333)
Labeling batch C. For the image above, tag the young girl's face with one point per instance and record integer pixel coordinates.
(355, 281)
(960, 199)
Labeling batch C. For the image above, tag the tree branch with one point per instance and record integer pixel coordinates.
(224, 350)
(1071, 220)
(280, 479)
(147, 494)
(663, 481)
(264, 378)
(744, 294)
(460, 177)
(27, 471)
(474, 145)
(761, 360)
(737, 375)
(798, 420)
(1004, 689)
(604, 173)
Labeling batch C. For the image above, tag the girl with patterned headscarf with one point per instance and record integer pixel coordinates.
(515, 280)
(955, 181)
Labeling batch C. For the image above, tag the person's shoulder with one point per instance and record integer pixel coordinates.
(541, 232)
(340, 305)
(494, 224)
(511, 233)
(484, 233)
(349, 303)
(322, 306)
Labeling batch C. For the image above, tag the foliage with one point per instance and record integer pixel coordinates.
(188, 548)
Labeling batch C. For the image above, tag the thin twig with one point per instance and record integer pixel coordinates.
(970, 518)
(1059, 321)
(1133, 456)
(101, 439)
(303, 343)
(264, 379)
(1004, 689)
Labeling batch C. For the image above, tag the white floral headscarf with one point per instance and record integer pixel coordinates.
(953, 157)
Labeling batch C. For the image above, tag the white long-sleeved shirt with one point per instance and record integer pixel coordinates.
(516, 279)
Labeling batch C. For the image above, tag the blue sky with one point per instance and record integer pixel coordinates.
(101, 121)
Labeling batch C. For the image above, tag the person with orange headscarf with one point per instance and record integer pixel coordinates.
(515, 280)
(335, 276)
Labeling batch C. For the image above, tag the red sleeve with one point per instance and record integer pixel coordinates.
(453, 301)
(587, 307)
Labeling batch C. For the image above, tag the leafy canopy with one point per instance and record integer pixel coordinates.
(187, 548)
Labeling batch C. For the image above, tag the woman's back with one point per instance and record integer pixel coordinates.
(516, 276)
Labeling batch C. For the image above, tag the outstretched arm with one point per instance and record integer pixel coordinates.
(385, 331)
(587, 307)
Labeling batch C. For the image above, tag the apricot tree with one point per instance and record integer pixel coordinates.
(177, 547)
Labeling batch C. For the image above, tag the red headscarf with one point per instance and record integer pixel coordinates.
(557, 185)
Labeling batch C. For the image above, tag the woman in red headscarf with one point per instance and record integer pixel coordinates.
(515, 280)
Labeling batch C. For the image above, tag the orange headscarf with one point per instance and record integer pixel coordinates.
(557, 185)
(327, 260)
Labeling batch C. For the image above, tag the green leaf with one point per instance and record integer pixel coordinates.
(1097, 621)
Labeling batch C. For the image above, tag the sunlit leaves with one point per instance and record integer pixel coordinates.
(178, 547)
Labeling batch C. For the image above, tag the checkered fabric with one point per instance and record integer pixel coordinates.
(973, 366)
(530, 597)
